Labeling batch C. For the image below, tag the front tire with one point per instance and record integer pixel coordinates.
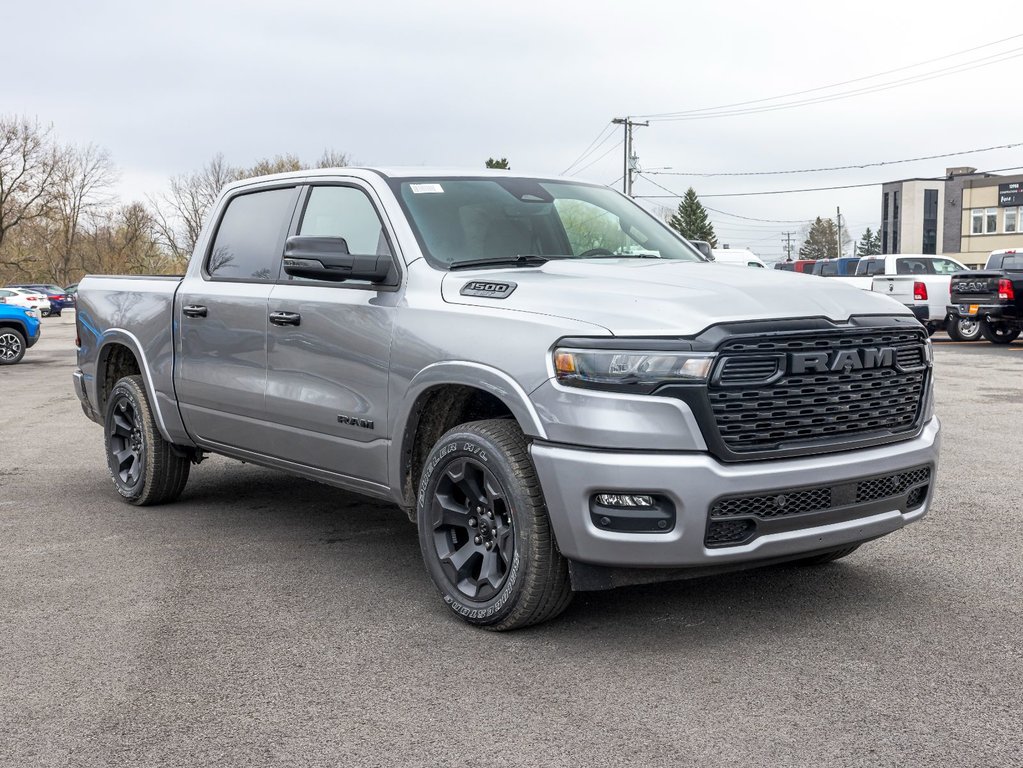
(143, 466)
(999, 333)
(484, 531)
(12, 346)
(963, 329)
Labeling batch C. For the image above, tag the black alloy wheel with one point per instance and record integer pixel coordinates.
(145, 468)
(484, 531)
(12, 346)
(125, 443)
(473, 529)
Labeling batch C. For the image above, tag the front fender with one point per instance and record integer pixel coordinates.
(469, 374)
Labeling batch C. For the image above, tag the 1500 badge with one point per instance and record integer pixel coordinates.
(488, 289)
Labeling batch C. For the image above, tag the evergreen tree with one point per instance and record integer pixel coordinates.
(821, 241)
(869, 244)
(691, 220)
(502, 163)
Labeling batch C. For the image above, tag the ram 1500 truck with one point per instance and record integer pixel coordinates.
(920, 281)
(560, 391)
(991, 298)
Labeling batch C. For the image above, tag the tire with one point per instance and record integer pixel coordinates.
(963, 329)
(484, 530)
(828, 557)
(999, 333)
(12, 346)
(143, 466)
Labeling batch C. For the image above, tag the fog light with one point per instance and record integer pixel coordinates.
(624, 500)
(632, 512)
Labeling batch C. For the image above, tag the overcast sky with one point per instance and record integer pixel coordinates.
(165, 86)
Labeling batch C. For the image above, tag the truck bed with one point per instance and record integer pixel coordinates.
(139, 311)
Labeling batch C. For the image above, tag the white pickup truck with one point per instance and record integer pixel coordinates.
(921, 282)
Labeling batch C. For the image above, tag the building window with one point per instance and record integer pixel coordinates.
(930, 238)
(991, 220)
(895, 222)
(977, 227)
(884, 223)
(1011, 219)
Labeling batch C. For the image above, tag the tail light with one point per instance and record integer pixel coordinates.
(919, 291)
(1005, 290)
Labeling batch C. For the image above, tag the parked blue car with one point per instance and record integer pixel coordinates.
(19, 330)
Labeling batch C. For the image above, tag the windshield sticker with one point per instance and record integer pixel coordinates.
(420, 189)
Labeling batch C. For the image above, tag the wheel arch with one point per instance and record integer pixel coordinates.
(120, 354)
(441, 397)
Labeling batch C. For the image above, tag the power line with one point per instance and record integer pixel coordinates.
(577, 171)
(836, 167)
(805, 189)
(661, 115)
(591, 146)
(956, 69)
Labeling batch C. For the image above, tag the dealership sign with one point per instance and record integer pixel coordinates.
(1010, 194)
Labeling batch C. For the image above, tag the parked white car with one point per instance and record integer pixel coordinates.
(741, 257)
(919, 281)
(20, 297)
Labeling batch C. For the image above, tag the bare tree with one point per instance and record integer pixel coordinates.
(277, 164)
(333, 159)
(81, 187)
(28, 162)
(179, 216)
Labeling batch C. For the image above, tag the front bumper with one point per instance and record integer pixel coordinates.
(695, 481)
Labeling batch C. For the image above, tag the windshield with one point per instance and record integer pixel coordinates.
(467, 219)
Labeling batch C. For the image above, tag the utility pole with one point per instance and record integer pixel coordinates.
(788, 245)
(838, 214)
(629, 167)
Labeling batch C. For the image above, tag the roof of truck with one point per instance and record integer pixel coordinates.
(408, 172)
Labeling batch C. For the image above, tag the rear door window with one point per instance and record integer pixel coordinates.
(914, 267)
(250, 237)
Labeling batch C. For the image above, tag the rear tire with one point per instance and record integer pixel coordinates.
(484, 531)
(12, 346)
(963, 329)
(999, 333)
(828, 557)
(143, 466)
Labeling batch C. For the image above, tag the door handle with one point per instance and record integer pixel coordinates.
(285, 318)
(193, 310)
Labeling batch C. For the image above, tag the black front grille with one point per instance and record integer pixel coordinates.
(774, 505)
(890, 485)
(735, 520)
(759, 408)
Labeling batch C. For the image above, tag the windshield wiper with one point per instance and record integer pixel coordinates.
(523, 260)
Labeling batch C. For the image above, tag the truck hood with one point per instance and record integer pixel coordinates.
(636, 297)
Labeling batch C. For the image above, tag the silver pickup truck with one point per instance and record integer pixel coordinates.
(560, 392)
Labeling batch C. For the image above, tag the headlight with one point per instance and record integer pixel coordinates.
(628, 369)
(33, 313)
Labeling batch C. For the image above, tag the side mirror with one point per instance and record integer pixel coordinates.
(327, 258)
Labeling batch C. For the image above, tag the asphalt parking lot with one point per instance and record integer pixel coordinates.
(265, 620)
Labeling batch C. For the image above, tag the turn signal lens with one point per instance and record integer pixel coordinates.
(564, 363)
